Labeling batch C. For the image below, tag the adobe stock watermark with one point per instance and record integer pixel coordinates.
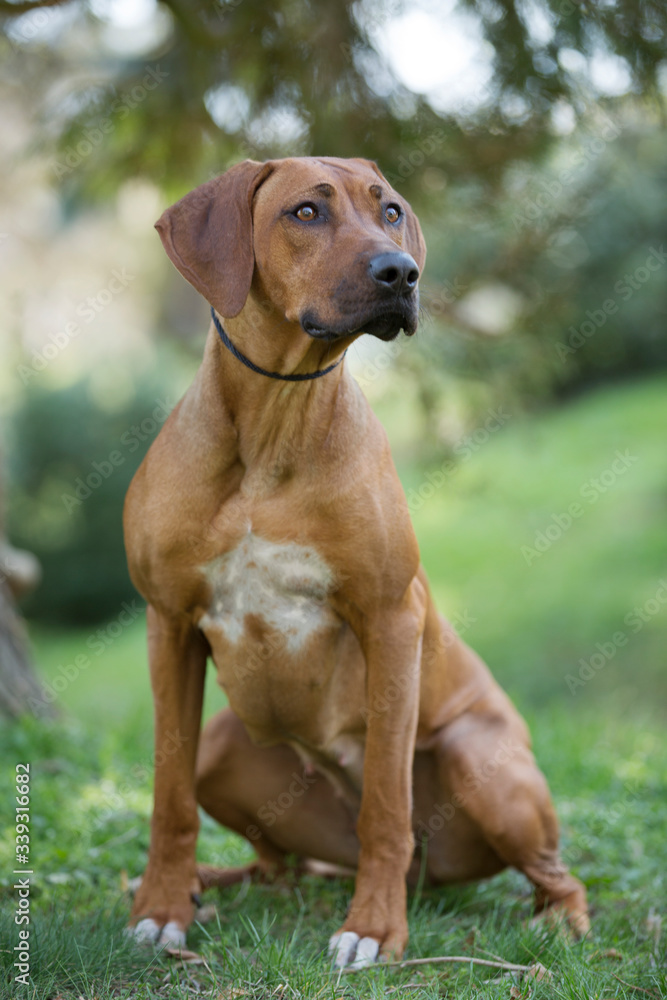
(273, 809)
(591, 491)
(275, 642)
(409, 162)
(464, 450)
(604, 820)
(83, 487)
(432, 651)
(98, 642)
(223, 6)
(93, 135)
(473, 781)
(141, 772)
(437, 302)
(87, 310)
(604, 652)
(382, 361)
(265, 133)
(369, 17)
(28, 27)
(545, 203)
(625, 288)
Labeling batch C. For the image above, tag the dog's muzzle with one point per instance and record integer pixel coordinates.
(392, 303)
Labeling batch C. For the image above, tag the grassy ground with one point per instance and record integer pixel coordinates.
(535, 618)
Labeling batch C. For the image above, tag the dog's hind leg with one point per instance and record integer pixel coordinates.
(486, 761)
(264, 794)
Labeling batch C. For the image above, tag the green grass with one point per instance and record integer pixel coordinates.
(534, 623)
(603, 750)
(608, 778)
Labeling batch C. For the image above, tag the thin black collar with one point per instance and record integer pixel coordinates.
(262, 371)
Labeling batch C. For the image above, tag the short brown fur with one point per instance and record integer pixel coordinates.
(384, 712)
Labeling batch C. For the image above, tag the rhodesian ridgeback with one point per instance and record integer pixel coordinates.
(267, 529)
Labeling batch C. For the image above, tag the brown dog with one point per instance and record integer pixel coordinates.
(267, 528)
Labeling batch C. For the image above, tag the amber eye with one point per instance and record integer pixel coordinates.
(392, 213)
(306, 213)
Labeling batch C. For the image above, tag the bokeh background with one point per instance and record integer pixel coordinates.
(528, 417)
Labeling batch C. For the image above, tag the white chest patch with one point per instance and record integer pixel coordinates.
(285, 585)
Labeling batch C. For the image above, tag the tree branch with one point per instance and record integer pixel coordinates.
(462, 959)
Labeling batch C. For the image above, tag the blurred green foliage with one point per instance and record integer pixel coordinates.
(581, 241)
(308, 78)
(71, 463)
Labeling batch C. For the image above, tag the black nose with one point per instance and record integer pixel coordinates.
(396, 272)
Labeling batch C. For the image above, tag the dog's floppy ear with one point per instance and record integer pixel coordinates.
(208, 236)
(414, 244)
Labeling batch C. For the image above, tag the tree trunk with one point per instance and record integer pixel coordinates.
(20, 691)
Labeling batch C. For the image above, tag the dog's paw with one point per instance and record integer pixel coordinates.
(348, 949)
(148, 931)
(172, 936)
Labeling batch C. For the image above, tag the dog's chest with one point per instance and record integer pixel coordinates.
(283, 586)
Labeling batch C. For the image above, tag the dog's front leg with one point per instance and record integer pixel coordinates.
(163, 907)
(377, 920)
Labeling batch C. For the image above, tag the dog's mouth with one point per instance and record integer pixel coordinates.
(385, 324)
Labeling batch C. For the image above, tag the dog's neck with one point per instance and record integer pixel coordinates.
(280, 424)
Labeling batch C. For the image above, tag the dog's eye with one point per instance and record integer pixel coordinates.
(392, 213)
(306, 213)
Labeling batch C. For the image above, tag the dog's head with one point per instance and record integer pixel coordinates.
(327, 242)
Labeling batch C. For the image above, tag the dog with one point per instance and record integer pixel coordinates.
(267, 529)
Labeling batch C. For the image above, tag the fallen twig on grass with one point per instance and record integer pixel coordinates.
(633, 987)
(187, 957)
(441, 959)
